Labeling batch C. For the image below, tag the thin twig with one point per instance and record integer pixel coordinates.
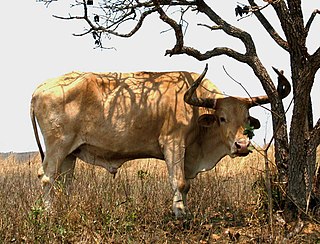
(268, 185)
(240, 84)
(313, 15)
(215, 27)
(278, 127)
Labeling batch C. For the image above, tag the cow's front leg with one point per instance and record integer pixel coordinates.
(185, 192)
(180, 206)
(174, 156)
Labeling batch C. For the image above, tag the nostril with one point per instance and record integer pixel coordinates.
(238, 146)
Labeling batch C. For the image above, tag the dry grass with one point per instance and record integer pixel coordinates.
(134, 207)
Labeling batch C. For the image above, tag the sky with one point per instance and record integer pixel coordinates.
(35, 46)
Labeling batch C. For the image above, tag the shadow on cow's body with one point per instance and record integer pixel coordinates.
(107, 119)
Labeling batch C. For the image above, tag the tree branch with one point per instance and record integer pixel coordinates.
(229, 29)
(214, 27)
(213, 53)
(283, 14)
(110, 29)
(179, 48)
(313, 15)
(266, 24)
(175, 26)
(291, 20)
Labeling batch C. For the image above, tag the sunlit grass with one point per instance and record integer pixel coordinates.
(135, 206)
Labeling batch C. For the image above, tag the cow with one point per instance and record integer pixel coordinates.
(106, 119)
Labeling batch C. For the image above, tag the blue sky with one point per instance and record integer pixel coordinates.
(35, 46)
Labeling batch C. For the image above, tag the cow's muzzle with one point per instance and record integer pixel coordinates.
(242, 148)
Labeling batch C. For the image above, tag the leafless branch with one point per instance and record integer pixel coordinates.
(218, 51)
(283, 14)
(239, 83)
(84, 33)
(47, 2)
(175, 26)
(230, 30)
(313, 15)
(266, 24)
(69, 17)
(214, 27)
(113, 18)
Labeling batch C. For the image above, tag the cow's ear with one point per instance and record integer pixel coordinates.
(254, 122)
(206, 120)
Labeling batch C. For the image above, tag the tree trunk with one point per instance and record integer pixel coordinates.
(278, 121)
(302, 157)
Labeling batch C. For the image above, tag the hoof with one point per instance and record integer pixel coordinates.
(179, 210)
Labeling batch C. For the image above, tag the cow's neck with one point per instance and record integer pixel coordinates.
(205, 153)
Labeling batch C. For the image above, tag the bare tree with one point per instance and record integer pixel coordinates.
(295, 151)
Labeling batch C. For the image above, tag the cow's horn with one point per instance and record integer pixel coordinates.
(191, 98)
(283, 89)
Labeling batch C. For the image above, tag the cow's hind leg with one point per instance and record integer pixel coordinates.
(50, 173)
(65, 176)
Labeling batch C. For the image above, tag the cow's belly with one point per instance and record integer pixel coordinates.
(113, 159)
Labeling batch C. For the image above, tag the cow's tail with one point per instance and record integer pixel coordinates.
(35, 130)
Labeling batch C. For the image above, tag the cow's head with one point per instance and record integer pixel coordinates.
(231, 115)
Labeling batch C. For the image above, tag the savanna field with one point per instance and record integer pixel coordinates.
(228, 205)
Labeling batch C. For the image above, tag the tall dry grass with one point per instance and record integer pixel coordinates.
(134, 207)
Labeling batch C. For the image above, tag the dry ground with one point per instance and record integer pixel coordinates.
(227, 205)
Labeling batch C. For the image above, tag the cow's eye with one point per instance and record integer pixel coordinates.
(222, 119)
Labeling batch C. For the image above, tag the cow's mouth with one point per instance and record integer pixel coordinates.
(243, 154)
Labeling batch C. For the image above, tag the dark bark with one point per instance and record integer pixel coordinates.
(278, 122)
(302, 157)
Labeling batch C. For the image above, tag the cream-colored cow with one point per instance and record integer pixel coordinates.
(107, 119)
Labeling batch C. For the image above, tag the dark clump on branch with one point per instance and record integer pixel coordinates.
(242, 10)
